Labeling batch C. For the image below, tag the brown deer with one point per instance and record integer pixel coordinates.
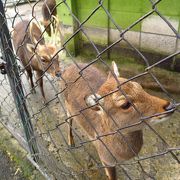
(49, 11)
(34, 53)
(110, 113)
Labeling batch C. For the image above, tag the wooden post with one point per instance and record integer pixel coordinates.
(108, 31)
(75, 27)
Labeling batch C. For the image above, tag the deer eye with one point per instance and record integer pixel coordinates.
(43, 60)
(126, 105)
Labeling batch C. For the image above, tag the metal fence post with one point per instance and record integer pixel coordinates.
(15, 83)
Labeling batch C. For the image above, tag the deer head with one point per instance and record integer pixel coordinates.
(43, 55)
(125, 105)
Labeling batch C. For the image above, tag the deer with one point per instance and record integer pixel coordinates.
(34, 53)
(51, 21)
(49, 13)
(109, 116)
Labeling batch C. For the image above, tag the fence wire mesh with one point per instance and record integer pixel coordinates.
(66, 137)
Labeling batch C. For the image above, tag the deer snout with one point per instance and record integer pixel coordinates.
(58, 74)
(169, 107)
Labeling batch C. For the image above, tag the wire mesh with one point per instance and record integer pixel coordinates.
(41, 124)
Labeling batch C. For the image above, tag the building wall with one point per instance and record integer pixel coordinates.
(151, 34)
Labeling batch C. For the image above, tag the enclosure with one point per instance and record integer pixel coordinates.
(142, 37)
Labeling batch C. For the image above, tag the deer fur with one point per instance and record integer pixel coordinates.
(48, 11)
(99, 116)
(34, 53)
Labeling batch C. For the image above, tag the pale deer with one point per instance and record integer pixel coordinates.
(108, 115)
(34, 53)
(49, 11)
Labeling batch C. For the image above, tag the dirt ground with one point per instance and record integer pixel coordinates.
(7, 168)
(23, 12)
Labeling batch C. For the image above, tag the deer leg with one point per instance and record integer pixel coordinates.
(110, 172)
(53, 25)
(40, 82)
(70, 133)
(30, 75)
(57, 27)
(61, 36)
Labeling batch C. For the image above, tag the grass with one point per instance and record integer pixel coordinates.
(17, 155)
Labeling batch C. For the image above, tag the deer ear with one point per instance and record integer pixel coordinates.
(93, 101)
(30, 47)
(115, 70)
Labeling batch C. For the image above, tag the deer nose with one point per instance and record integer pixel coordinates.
(58, 74)
(169, 107)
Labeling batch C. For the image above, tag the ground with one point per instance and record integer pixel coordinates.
(7, 168)
(14, 164)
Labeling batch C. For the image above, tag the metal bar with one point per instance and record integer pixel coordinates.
(15, 83)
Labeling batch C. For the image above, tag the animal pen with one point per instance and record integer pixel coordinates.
(42, 127)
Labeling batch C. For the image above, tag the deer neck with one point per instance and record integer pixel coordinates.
(132, 142)
(124, 146)
(128, 143)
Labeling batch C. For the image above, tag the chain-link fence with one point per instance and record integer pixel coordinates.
(76, 117)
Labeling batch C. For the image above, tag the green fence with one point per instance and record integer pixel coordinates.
(151, 34)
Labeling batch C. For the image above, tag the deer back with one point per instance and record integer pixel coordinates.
(76, 91)
(49, 9)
